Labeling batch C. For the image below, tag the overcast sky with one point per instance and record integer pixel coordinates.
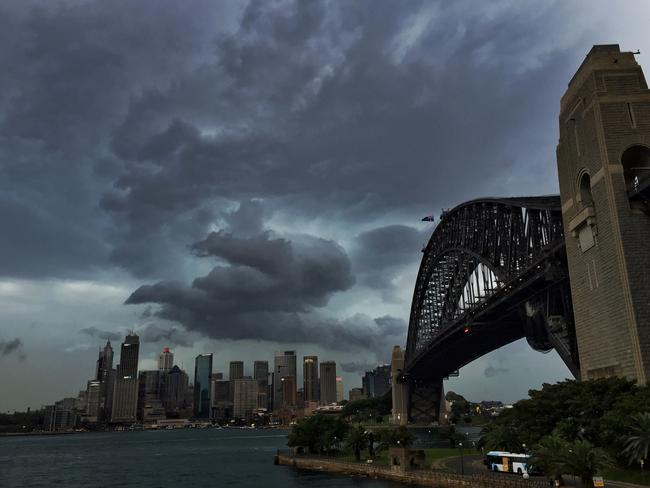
(245, 177)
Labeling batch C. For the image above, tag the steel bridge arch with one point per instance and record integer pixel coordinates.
(520, 241)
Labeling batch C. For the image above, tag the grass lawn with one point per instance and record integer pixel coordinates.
(627, 475)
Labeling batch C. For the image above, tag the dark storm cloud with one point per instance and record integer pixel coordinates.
(101, 334)
(13, 346)
(380, 254)
(357, 367)
(134, 127)
(270, 288)
(168, 335)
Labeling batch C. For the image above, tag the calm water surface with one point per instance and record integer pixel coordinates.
(171, 458)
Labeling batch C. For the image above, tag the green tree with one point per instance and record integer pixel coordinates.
(637, 443)
(318, 433)
(395, 437)
(575, 409)
(502, 436)
(549, 455)
(584, 460)
(357, 440)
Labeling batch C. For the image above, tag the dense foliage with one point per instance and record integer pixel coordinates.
(22, 421)
(318, 433)
(368, 409)
(576, 427)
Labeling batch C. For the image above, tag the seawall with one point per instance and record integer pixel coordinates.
(420, 477)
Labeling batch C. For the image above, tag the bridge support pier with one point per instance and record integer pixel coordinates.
(426, 401)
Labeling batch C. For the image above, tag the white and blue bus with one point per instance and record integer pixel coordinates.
(507, 462)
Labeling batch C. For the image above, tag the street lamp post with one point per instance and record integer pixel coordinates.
(462, 464)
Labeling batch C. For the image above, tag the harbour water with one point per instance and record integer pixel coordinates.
(170, 458)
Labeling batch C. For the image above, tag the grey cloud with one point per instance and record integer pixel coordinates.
(270, 288)
(356, 367)
(101, 334)
(143, 124)
(249, 217)
(169, 335)
(13, 346)
(492, 371)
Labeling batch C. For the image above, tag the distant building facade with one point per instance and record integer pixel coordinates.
(245, 404)
(356, 394)
(202, 377)
(236, 372)
(327, 382)
(339, 389)
(284, 367)
(125, 391)
(166, 360)
(311, 391)
(261, 375)
(376, 383)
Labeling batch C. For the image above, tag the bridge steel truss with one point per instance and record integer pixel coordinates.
(494, 271)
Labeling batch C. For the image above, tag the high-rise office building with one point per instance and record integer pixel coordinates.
(236, 372)
(151, 389)
(125, 392)
(327, 382)
(376, 383)
(93, 401)
(165, 360)
(174, 395)
(261, 375)
(356, 394)
(339, 389)
(245, 404)
(104, 363)
(289, 393)
(221, 405)
(202, 376)
(285, 366)
(310, 389)
(103, 376)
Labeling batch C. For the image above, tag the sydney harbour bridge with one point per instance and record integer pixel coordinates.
(566, 272)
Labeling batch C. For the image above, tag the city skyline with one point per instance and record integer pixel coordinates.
(212, 201)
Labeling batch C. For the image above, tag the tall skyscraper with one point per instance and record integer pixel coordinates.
(327, 382)
(175, 392)
(104, 363)
(202, 375)
(310, 387)
(125, 394)
(221, 405)
(245, 404)
(236, 372)
(166, 360)
(376, 383)
(151, 388)
(339, 389)
(94, 404)
(285, 366)
(104, 396)
(261, 375)
(289, 394)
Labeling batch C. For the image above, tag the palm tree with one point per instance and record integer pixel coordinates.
(637, 444)
(357, 440)
(583, 459)
(549, 455)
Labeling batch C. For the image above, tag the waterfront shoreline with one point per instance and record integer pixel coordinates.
(421, 477)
